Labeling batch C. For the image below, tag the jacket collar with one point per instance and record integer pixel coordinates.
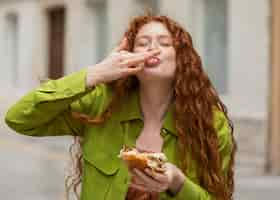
(131, 111)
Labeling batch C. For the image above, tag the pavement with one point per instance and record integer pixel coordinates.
(258, 188)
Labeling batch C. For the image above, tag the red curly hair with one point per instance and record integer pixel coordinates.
(195, 98)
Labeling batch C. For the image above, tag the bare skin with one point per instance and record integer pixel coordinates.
(153, 62)
(155, 83)
(156, 92)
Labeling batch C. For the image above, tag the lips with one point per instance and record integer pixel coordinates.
(153, 61)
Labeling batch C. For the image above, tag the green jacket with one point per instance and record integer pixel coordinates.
(45, 111)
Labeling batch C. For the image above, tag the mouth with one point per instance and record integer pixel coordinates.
(152, 62)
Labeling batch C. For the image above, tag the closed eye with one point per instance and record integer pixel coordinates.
(142, 44)
(165, 41)
(167, 44)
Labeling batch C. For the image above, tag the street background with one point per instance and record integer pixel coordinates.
(52, 38)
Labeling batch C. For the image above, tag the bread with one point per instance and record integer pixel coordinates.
(136, 159)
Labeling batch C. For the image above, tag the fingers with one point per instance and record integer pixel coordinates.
(132, 70)
(144, 177)
(144, 188)
(141, 186)
(149, 182)
(122, 46)
(130, 63)
(157, 176)
(136, 58)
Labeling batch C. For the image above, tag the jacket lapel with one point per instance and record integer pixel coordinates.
(131, 110)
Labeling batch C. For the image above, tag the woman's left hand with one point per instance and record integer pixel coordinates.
(152, 181)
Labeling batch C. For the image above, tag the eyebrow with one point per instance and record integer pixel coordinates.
(147, 36)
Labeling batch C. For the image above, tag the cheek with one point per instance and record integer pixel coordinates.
(170, 67)
(139, 49)
(170, 59)
(169, 54)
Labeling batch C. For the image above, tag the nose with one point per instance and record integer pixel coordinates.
(153, 45)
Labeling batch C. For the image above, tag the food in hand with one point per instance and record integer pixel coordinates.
(136, 159)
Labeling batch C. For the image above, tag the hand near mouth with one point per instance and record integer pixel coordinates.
(152, 61)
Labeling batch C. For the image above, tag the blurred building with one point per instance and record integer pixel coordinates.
(52, 38)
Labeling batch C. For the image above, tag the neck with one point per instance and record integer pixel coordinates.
(155, 98)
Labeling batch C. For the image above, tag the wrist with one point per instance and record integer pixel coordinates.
(177, 183)
(91, 77)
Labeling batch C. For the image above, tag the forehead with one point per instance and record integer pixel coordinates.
(153, 28)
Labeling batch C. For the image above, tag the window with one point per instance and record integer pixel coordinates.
(11, 48)
(97, 21)
(56, 23)
(101, 29)
(211, 37)
(215, 46)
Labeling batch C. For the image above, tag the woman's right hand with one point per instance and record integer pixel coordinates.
(120, 63)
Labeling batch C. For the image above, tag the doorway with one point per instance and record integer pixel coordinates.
(56, 37)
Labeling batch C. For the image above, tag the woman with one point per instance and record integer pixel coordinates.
(151, 92)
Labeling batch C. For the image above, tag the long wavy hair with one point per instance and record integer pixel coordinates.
(195, 97)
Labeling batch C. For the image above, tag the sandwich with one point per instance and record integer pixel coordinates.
(135, 159)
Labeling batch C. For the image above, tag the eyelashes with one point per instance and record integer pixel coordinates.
(144, 44)
(166, 44)
(141, 44)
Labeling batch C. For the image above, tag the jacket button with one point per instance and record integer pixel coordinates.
(163, 132)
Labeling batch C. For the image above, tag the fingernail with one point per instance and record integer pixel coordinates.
(156, 51)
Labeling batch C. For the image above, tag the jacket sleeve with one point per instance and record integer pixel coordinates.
(46, 111)
(192, 190)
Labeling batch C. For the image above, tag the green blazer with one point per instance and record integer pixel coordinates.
(45, 111)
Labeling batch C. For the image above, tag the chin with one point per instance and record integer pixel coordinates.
(151, 76)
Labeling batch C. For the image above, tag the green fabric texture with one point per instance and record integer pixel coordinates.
(45, 111)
